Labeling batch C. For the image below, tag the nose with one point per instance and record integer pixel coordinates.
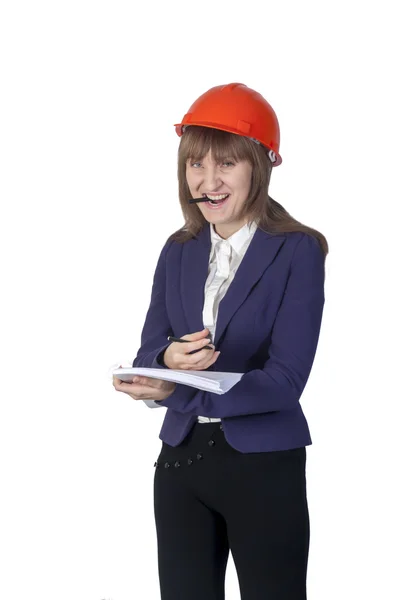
(212, 179)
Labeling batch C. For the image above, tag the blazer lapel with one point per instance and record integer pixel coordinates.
(194, 273)
(260, 254)
(195, 258)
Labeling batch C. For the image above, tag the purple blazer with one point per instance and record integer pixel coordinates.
(267, 328)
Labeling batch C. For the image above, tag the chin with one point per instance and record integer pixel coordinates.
(213, 220)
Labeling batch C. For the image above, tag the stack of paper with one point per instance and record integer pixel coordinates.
(209, 381)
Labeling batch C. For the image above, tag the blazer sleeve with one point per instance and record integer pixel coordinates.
(157, 327)
(280, 383)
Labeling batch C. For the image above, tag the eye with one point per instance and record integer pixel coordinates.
(196, 164)
(228, 163)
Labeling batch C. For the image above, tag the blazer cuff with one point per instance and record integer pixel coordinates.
(151, 360)
(159, 359)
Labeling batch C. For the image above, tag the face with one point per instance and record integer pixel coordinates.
(227, 185)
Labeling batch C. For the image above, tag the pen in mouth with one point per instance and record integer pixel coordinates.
(213, 200)
(194, 200)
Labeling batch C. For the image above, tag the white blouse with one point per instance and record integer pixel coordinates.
(225, 258)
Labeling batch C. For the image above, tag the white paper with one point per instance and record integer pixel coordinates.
(210, 381)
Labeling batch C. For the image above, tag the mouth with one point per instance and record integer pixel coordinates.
(215, 201)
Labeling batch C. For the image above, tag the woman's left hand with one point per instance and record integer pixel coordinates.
(145, 388)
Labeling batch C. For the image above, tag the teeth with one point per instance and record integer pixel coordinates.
(220, 197)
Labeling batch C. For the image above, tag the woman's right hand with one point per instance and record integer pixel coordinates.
(177, 356)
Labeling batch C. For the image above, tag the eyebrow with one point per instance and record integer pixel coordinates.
(221, 159)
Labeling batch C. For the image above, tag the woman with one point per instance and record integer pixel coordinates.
(246, 279)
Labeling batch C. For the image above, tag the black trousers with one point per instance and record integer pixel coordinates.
(210, 499)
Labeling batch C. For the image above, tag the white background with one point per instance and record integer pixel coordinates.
(90, 93)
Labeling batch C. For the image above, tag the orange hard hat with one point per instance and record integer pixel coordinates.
(238, 109)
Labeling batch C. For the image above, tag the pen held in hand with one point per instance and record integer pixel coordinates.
(175, 339)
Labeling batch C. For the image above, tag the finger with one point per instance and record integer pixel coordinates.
(216, 357)
(198, 335)
(123, 386)
(147, 382)
(192, 361)
(196, 346)
(202, 356)
(184, 354)
(136, 391)
(146, 393)
(200, 364)
(208, 363)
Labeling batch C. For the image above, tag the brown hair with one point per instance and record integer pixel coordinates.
(269, 215)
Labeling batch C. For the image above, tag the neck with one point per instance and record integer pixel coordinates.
(225, 231)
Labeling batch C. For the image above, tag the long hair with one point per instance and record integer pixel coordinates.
(269, 215)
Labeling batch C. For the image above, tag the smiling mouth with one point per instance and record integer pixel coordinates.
(216, 199)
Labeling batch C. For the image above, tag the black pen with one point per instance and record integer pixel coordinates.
(195, 200)
(171, 338)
